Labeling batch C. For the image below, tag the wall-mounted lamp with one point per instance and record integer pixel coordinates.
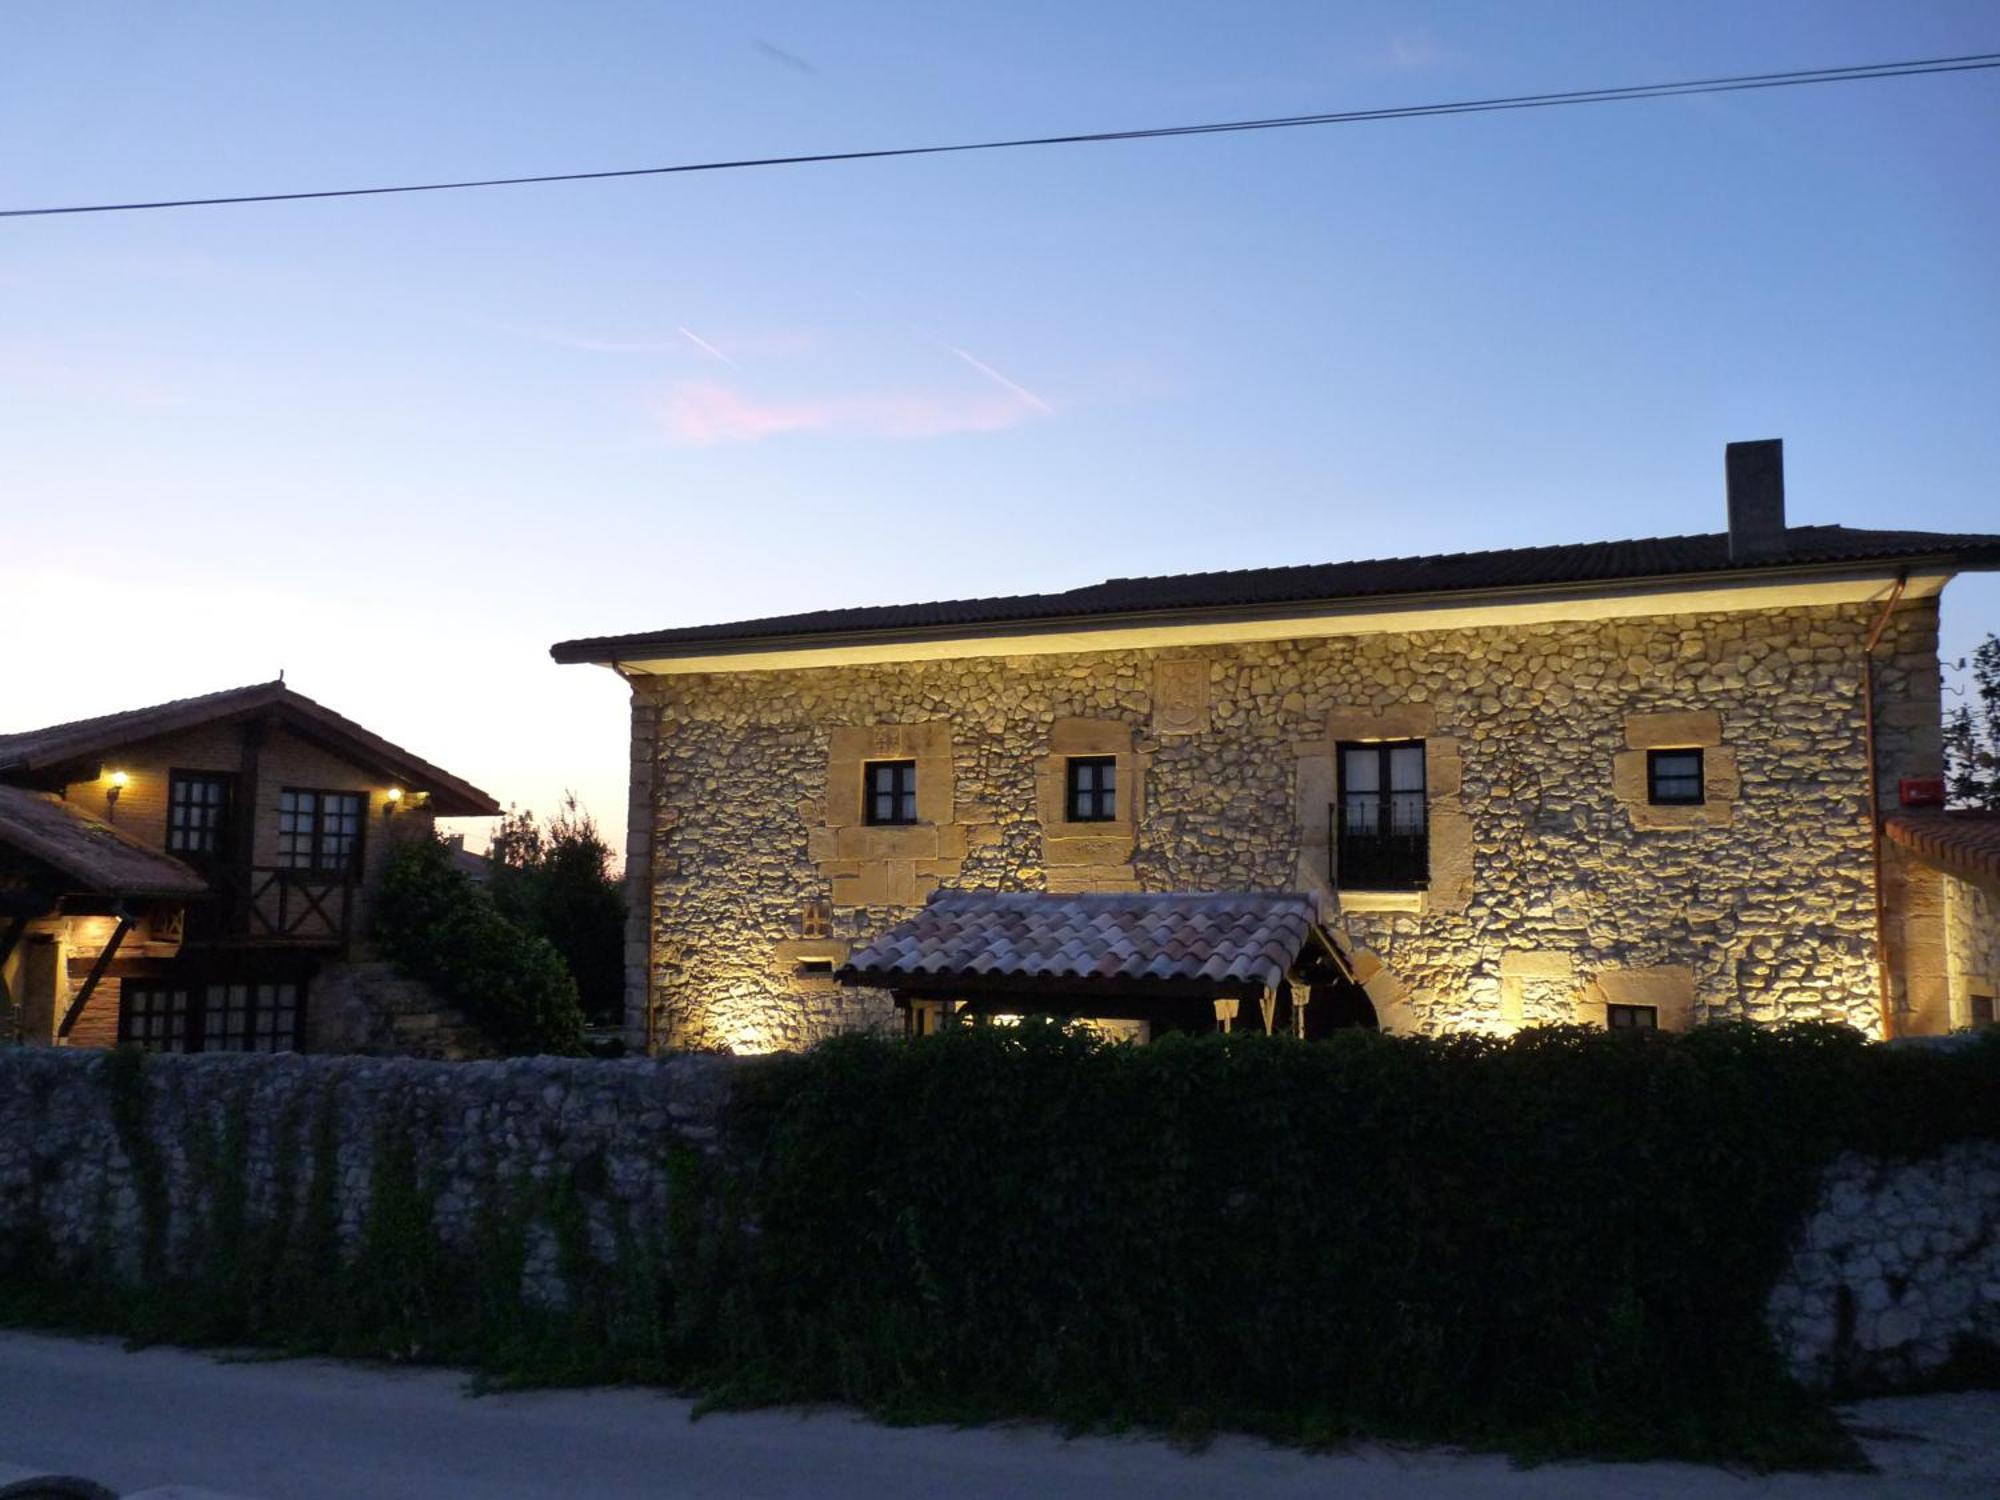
(391, 800)
(117, 780)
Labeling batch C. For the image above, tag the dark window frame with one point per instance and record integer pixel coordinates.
(1631, 1018)
(1974, 1004)
(901, 789)
(1096, 802)
(316, 862)
(271, 1010)
(220, 830)
(1656, 797)
(1378, 859)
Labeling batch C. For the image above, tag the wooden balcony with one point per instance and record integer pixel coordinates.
(270, 905)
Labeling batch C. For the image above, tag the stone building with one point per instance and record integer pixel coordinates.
(1635, 782)
(197, 875)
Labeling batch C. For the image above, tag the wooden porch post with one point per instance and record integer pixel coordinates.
(1225, 1014)
(1268, 1004)
(1301, 997)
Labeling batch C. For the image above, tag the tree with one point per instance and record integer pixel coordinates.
(556, 879)
(1972, 735)
(437, 925)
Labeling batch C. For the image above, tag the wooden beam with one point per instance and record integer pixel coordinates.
(110, 951)
(8, 944)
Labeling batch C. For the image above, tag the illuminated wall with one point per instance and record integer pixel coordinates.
(1553, 890)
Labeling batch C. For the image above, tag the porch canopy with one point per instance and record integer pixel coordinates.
(52, 852)
(1177, 960)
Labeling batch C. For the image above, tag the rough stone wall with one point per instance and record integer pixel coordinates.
(1972, 939)
(1897, 1270)
(1772, 914)
(65, 1173)
(370, 1008)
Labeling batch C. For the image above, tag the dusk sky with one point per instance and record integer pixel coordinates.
(398, 446)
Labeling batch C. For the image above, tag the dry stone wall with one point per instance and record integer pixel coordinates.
(1767, 916)
(480, 1132)
(1897, 1272)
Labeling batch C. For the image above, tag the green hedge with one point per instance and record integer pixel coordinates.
(1562, 1242)
(437, 925)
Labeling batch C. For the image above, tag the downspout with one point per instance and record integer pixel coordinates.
(1884, 1000)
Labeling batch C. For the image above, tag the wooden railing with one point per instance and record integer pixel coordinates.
(271, 904)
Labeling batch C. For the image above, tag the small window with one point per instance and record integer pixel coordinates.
(1673, 778)
(890, 792)
(1382, 818)
(1982, 1010)
(198, 804)
(1632, 1017)
(815, 968)
(816, 919)
(1093, 789)
(320, 831)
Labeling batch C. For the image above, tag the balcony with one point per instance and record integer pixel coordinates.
(268, 904)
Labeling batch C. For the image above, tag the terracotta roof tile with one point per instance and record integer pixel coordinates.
(1229, 940)
(96, 856)
(34, 749)
(1965, 843)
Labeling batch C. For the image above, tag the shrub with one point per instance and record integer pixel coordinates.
(1560, 1242)
(437, 925)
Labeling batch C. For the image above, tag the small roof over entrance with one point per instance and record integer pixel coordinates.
(1965, 844)
(1104, 953)
(77, 853)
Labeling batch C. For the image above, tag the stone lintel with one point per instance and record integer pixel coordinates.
(1674, 729)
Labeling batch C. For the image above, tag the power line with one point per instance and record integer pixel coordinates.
(1857, 73)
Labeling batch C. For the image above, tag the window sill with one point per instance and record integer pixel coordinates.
(1381, 900)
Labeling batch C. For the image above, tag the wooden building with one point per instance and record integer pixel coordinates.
(191, 876)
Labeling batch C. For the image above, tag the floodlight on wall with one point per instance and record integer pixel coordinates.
(391, 800)
(117, 780)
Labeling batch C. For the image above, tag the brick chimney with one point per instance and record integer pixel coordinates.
(1756, 499)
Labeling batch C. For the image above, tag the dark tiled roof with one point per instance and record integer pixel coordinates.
(84, 739)
(1228, 943)
(96, 856)
(1577, 564)
(1965, 843)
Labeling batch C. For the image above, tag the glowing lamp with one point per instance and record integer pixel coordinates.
(117, 780)
(391, 800)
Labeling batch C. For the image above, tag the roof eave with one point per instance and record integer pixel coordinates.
(623, 653)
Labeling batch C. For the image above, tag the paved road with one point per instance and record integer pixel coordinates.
(307, 1429)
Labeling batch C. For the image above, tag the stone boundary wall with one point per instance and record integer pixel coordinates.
(1896, 1269)
(1899, 1266)
(608, 1128)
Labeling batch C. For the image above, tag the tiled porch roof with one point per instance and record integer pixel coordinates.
(99, 858)
(1965, 844)
(1223, 943)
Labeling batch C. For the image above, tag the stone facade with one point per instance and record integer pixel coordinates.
(1553, 889)
(1972, 944)
(1897, 1270)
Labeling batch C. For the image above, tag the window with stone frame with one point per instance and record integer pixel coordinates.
(1674, 778)
(1091, 789)
(1381, 820)
(1980, 1009)
(889, 792)
(1632, 1017)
